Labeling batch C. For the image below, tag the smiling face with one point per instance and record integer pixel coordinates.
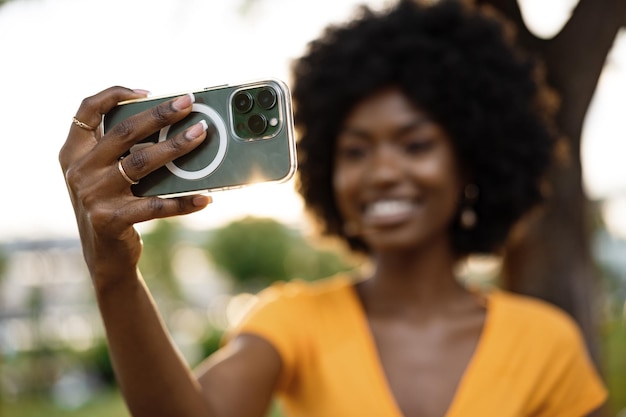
(396, 178)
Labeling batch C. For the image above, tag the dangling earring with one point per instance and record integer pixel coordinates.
(469, 218)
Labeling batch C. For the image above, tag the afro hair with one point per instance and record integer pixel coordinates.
(459, 64)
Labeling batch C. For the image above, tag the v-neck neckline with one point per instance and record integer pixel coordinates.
(375, 367)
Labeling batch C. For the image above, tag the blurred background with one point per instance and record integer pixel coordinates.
(55, 52)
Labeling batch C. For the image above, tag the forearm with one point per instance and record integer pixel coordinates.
(153, 377)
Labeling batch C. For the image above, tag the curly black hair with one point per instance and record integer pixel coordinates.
(459, 64)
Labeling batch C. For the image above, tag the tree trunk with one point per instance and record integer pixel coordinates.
(550, 255)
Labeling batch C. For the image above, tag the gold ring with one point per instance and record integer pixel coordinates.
(124, 174)
(82, 125)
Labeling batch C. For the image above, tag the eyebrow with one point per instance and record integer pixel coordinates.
(414, 124)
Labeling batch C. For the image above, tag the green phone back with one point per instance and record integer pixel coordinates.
(242, 147)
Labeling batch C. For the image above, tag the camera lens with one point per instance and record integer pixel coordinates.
(243, 102)
(257, 123)
(266, 98)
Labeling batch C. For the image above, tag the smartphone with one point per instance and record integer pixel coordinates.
(250, 139)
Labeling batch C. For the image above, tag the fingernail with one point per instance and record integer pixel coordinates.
(141, 92)
(196, 130)
(183, 102)
(201, 200)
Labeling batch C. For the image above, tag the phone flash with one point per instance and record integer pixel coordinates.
(273, 122)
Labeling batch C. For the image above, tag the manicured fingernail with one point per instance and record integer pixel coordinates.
(196, 130)
(201, 200)
(184, 101)
(141, 92)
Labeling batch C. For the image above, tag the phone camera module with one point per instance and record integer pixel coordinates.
(257, 123)
(266, 98)
(243, 102)
(256, 112)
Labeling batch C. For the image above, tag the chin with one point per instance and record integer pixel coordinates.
(400, 241)
(404, 239)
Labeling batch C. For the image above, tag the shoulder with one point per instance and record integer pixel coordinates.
(290, 300)
(290, 315)
(532, 360)
(300, 290)
(542, 330)
(533, 315)
(546, 355)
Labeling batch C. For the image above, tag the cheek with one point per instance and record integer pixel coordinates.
(345, 184)
(341, 183)
(438, 171)
(442, 176)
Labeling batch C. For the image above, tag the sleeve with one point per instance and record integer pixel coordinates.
(572, 386)
(277, 317)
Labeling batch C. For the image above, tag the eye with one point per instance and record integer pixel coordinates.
(416, 146)
(351, 151)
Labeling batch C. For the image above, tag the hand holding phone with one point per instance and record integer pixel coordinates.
(251, 139)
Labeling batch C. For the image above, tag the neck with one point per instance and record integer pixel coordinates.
(413, 281)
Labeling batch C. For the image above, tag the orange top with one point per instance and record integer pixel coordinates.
(530, 360)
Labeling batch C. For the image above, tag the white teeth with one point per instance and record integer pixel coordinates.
(388, 208)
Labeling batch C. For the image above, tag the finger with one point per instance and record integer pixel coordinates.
(93, 108)
(121, 137)
(144, 209)
(82, 139)
(140, 163)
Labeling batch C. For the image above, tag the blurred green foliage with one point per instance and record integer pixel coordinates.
(256, 252)
(98, 361)
(107, 404)
(3, 263)
(155, 263)
(252, 250)
(614, 354)
(211, 343)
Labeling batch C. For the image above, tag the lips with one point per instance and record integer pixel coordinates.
(388, 212)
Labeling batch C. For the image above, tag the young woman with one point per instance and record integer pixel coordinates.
(424, 137)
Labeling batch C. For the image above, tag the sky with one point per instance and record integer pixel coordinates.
(56, 52)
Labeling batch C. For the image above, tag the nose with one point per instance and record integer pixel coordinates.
(385, 166)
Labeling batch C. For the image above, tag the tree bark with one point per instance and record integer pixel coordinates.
(550, 255)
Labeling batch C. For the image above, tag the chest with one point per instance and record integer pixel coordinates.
(423, 365)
